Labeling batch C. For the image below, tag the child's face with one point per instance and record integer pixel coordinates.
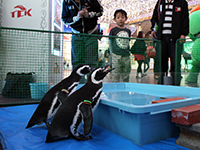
(120, 19)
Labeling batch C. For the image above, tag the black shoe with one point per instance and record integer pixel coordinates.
(144, 74)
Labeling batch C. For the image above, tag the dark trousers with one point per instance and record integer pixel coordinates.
(157, 58)
(139, 68)
(169, 50)
(84, 51)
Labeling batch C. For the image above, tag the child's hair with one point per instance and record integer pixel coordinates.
(140, 34)
(123, 12)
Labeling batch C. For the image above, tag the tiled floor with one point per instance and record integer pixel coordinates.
(149, 79)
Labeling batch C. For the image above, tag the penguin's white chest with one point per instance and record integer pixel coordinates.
(56, 103)
(76, 120)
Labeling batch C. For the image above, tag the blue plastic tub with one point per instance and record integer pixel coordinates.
(126, 109)
(38, 90)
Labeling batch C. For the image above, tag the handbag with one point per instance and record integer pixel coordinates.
(151, 52)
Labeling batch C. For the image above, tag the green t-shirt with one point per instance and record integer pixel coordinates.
(120, 46)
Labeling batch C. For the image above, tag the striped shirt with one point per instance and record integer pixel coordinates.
(167, 24)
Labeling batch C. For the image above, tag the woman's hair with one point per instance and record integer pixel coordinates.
(140, 34)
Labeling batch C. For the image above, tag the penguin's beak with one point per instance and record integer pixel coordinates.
(108, 70)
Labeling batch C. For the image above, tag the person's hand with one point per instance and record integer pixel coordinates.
(182, 37)
(85, 12)
(153, 34)
(80, 14)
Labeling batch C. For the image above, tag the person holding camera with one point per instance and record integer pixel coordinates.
(82, 16)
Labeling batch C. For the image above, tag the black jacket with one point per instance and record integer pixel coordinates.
(180, 19)
(70, 9)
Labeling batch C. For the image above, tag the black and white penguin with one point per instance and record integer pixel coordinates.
(52, 100)
(78, 107)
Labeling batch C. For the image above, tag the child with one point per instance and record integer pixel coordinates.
(120, 48)
(138, 49)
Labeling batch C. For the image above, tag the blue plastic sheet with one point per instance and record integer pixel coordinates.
(14, 136)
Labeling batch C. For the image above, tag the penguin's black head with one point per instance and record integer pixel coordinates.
(82, 69)
(98, 74)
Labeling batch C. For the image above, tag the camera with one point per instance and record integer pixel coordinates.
(86, 4)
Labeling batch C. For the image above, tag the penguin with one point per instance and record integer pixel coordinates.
(52, 100)
(78, 107)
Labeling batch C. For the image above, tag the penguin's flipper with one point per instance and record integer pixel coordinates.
(63, 94)
(86, 112)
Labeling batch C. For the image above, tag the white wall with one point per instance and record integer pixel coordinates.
(36, 15)
(27, 51)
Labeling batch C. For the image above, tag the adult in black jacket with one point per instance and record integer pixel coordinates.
(82, 16)
(170, 21)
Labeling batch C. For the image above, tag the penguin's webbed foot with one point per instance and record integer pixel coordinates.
(82, 137)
